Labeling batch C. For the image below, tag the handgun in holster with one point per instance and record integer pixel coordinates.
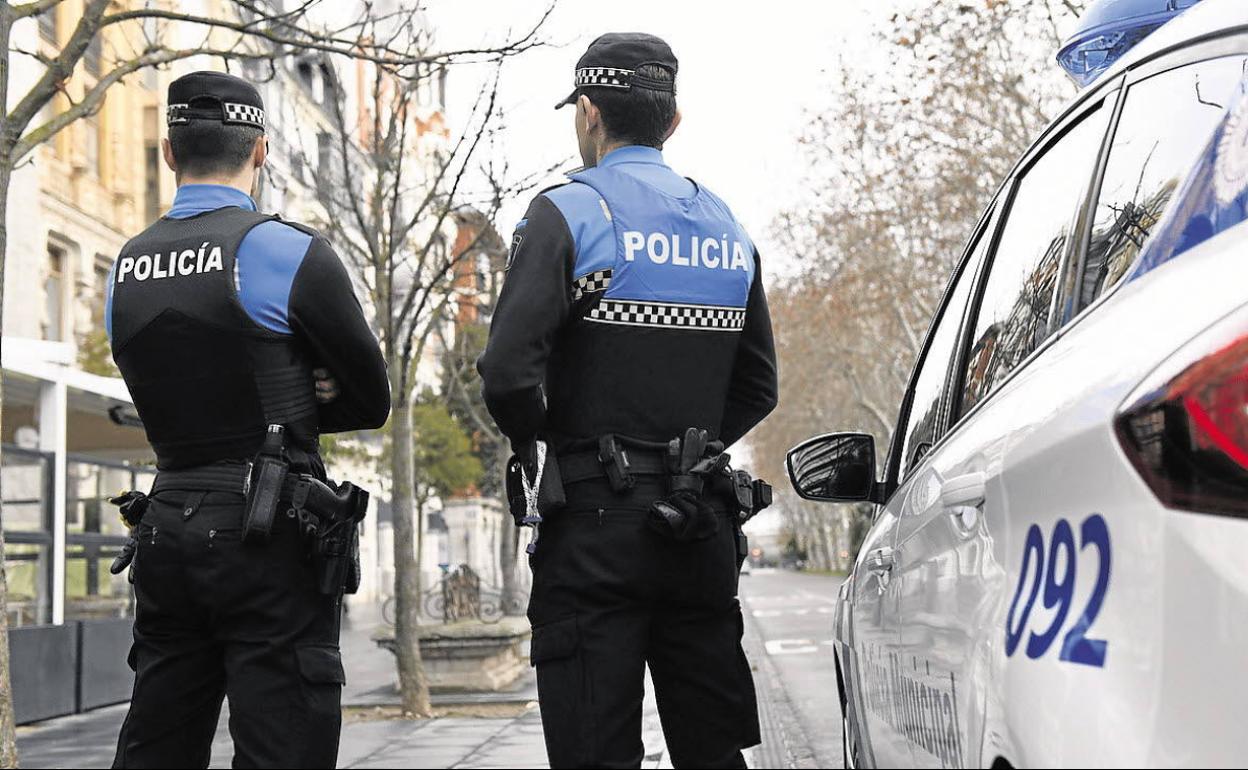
(329, 515)
(336, 512)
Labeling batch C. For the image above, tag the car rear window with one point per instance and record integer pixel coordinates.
(1166, 123)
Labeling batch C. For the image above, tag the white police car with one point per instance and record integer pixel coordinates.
(1057, 572)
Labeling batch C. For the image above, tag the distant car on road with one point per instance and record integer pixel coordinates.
(1057, 571)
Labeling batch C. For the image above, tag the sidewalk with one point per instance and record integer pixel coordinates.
(88, 740)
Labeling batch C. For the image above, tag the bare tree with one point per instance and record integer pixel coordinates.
(143, 35)
(391, 187)
(903, 162)
(462, 387)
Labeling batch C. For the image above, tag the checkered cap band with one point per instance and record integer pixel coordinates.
(231, 112)
(667, 315)
(242, 113)
(173, 114)
(596, 281)
(605, 77)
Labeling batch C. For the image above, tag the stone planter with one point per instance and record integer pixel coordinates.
(470, 656)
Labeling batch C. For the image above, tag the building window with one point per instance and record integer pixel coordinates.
(27, 535)
(151, 187)
(329, 87)
(92, 58)
(91, 143)
(326, 167)
(47, 24)
(94, 537)
(424, 85)
(103, 266)
(151, 164)
(54, 294)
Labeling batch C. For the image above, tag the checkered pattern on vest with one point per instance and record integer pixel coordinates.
(596, 281)
(668, 315)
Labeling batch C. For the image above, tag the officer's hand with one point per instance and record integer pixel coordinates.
(326, 386)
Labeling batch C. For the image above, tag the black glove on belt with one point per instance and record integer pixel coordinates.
(683, 516)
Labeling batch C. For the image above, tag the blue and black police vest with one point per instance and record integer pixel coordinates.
(206, 379)
(651, 348)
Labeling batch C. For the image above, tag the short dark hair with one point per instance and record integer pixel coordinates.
(638, 115)
(209, 147)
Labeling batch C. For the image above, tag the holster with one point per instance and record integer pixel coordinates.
(328, 514)
(615, 464)
(338, 512)
(550, 494)
(263, 487)
(751, 495)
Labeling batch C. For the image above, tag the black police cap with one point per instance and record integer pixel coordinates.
(612, 61)
(216, 96)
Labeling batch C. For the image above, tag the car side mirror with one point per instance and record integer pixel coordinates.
(835, 467)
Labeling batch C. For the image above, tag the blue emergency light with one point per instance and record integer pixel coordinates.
(1110, 28)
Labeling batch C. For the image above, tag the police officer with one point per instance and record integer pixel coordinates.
(219, 316)
(632, 312)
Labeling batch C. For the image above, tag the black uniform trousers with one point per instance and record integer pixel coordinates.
(219, 618)
(611, 596)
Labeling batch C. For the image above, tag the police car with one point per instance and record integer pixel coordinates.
(1057, 570)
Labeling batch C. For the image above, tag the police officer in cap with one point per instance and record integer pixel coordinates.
(225, 321)
(632, 343)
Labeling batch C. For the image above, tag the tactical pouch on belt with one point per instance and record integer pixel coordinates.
(264, 487)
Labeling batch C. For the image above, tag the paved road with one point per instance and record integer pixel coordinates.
(791, 614)
(788, 623)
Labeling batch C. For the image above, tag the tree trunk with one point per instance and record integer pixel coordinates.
(508, 548)
(413, 687)
(419, 524)
(821, 540)
(8, 736)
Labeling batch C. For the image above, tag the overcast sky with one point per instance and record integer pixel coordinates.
(749, 72)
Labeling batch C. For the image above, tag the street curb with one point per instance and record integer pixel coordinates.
(784, 742)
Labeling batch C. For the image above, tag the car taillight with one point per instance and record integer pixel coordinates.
(1185, 429)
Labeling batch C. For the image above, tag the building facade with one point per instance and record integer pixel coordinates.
(69, 435)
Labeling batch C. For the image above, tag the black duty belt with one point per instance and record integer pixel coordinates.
(583, 466)
(222, 477)
(648, 465)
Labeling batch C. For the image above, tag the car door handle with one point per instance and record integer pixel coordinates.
(968, 490)
(880, 560)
